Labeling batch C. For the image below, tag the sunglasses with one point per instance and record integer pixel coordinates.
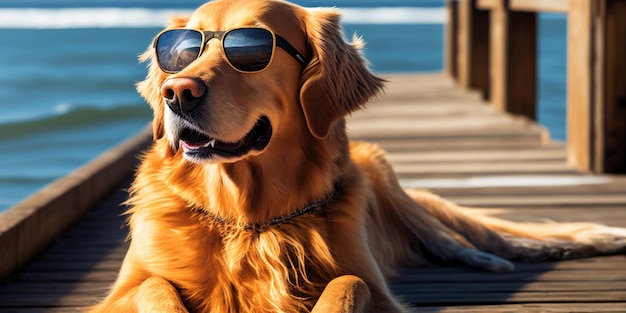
(247, 50)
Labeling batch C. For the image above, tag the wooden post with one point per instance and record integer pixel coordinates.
(580, 83)
(513, 60)
(596, 85)
(614, 113)
(473, 47)
(451, 40)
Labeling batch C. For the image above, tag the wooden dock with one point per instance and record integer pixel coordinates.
(438, 137)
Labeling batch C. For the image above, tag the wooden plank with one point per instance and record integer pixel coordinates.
(27, 300)
(471, 276)
(434, 109)
(67, 276)
(529, 134)
(408, 125)
(50, 265)
(557, 6)
(531, 308)
(30, 226)
(543, 201)
(564, 282)
(449, 298)
(467, 169)
(520, 187)
(487, 4)
(441, 143)
(495, 155)
(59, 288)
(73, 309)
(510, 286)
(607, 215)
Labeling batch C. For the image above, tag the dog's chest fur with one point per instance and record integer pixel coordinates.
(230, 269)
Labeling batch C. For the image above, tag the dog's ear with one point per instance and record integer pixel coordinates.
(336, 82)
(150, 88)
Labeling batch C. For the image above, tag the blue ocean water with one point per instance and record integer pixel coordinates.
(67, 80)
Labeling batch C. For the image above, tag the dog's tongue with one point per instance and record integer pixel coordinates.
(197, 145)
(211, 144)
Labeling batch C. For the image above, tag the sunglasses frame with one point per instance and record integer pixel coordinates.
(208, 35)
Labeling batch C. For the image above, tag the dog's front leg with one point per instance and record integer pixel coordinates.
(156, 294)
(344, 294)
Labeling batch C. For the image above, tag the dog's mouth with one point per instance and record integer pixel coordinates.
(200, 146)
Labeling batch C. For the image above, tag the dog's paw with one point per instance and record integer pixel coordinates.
(572, 241)
(484, 260)
(156, 294)
(603, 239)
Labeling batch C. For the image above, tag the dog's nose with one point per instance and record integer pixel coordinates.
(182, 94)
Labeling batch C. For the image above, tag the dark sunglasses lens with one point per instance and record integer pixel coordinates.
(248, 49)
(176, 49)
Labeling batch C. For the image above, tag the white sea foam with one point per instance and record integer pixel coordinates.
(400, 15)
(84, 18)
(62, 108)
(143, 18)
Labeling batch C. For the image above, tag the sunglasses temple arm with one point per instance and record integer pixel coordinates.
(281, 42)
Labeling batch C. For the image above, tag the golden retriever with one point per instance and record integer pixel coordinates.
(252, 198)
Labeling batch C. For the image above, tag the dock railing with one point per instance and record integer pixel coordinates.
(32, 225)
(491, 46)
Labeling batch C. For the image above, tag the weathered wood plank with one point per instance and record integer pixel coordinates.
(543, 201)
(493, 155)
(487, 4)
(72, 309)
(461, 144)
(519, 186)
(449, 298)
(557, 6)
(30, 226)
(82, 287)
(66, 276)
(531, 308)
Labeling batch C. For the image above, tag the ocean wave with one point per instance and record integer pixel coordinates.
(67, 116)
(84, 18)
(32, 18)
(25, 180)
(399, 15)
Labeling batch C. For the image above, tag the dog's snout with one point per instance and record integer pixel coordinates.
(182, 94)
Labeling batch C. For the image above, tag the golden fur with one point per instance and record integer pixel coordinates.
(191, 245)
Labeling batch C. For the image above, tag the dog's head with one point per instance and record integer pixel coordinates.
(215, 112)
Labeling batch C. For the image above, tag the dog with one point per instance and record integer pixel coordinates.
(253, 199)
